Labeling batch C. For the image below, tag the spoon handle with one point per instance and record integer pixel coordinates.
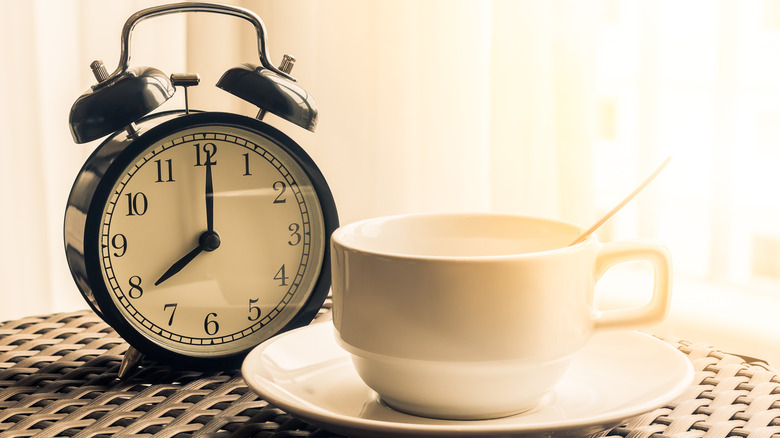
(622, 203)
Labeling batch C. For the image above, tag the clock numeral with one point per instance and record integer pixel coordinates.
(164, 173)
(296, 234)
(137, 204)
(246, 165)
(281, 187)
(253, 309)
(211, 326)
(173, 312)
(136, 291)
(281, 276)
(209, 152)
(119, 242)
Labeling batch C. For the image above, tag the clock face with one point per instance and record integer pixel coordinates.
(211, 240)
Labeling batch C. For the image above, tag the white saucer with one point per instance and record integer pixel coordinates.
(616, 376)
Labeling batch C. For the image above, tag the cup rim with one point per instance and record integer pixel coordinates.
(337, 240)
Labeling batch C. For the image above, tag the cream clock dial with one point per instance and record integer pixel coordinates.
(236, 215)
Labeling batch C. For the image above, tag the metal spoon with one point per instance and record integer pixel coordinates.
(622, 203)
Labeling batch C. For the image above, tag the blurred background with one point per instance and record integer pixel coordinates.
(551, 107)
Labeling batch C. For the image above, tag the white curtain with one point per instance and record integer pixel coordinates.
(433, 105)
(543, 107)
(46, 47)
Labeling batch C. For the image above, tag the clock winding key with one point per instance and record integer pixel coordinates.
(185, 80)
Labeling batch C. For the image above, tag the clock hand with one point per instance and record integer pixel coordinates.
(209, 241)
(209, 197)
(181, 263)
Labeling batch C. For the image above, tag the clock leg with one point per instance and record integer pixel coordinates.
(131, 359)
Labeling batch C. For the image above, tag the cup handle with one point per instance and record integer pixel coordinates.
(656, 309)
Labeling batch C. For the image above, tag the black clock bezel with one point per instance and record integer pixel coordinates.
(181, 121)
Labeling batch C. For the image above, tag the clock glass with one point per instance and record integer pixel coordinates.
(211, 239)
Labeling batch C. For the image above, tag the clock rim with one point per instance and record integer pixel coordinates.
(180, 121)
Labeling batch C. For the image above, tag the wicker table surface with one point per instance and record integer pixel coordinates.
(58, 378)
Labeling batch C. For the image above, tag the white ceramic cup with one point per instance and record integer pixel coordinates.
(474, 316)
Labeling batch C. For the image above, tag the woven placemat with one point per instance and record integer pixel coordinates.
(58, 378)
(732, 396)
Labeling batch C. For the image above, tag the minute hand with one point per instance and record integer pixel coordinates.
(209, 199)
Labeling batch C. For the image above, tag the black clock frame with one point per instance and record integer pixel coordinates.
(94, 185)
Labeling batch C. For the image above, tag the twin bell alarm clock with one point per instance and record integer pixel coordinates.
(197, 235)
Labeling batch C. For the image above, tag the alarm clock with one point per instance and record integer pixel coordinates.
(197, 235)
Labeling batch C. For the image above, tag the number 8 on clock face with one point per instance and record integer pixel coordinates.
(209, 234)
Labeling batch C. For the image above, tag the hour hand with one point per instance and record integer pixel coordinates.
(209, 241)
(181, 263)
